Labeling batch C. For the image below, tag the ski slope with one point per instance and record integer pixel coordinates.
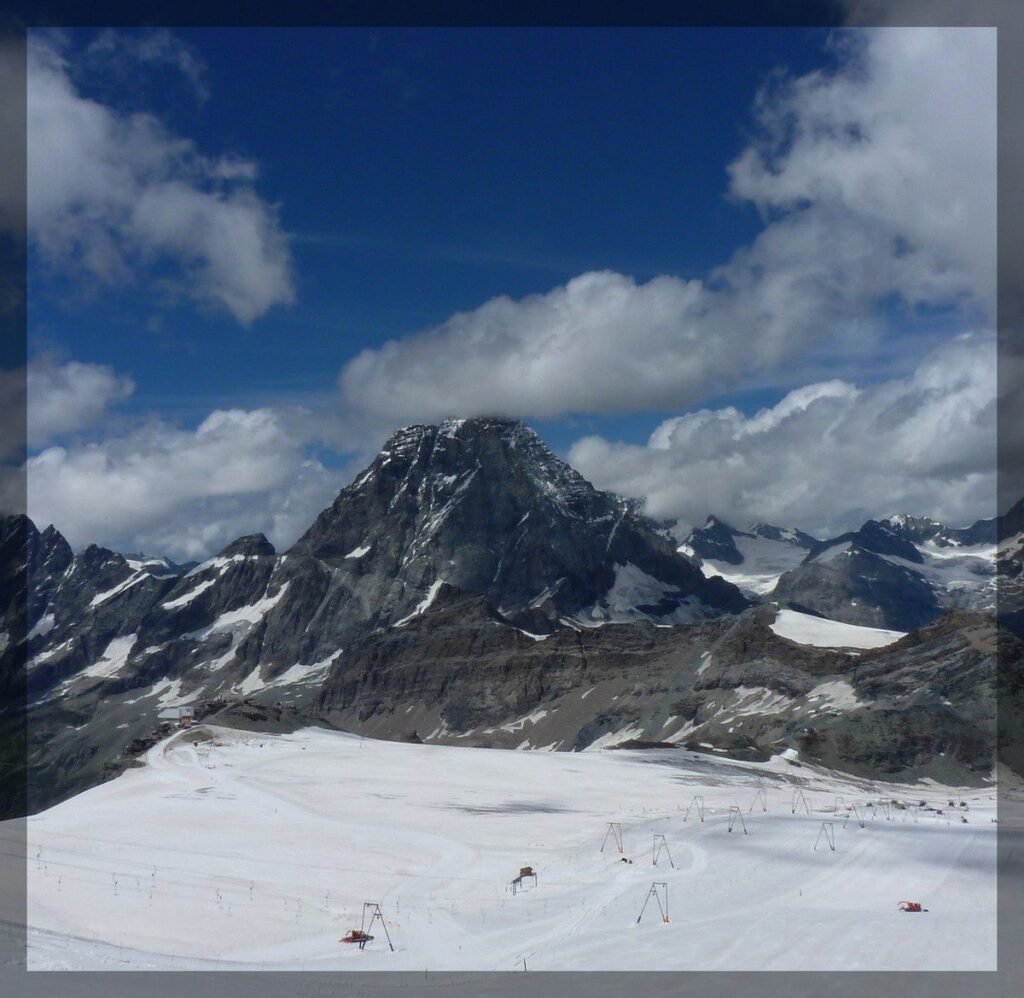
(257, 851)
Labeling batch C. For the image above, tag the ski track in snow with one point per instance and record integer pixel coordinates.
(257, 851)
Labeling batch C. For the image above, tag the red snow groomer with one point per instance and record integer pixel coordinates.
(357, 936)
(910, 906)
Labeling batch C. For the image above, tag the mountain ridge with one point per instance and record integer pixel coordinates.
(467, 570)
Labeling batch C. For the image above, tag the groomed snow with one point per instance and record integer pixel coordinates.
(257, 851)
(806, 629)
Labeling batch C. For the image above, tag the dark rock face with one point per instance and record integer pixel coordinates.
(250, 546)
(485, 506)
(715, 541)
(918, 530)
(783, 535)
(876, 537)
(458, 674)
(857, 587)
(901, 573)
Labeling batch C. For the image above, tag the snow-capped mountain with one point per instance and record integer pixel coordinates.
(481, 505)
(752, 559)
(460, 587)
(901, 572)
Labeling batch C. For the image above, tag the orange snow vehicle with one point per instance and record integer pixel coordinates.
(910, 906)
(357, 936)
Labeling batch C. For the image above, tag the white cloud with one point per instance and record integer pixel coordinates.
(185, 492)
(111, 194)
(877, 181)
(65, 398)
(827, 456)
(903, 142)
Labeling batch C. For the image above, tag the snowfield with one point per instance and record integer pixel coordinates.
(232, 850)
(764, 561)
(806, 629)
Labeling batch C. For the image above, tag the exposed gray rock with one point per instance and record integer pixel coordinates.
(470, 587)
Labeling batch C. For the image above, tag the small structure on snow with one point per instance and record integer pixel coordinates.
(362, 935)
(698, 803)
(525, 873)
(734, 814)
(184, 716)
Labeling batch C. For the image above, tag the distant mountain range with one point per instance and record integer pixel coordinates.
(463, 588)
(901, 572)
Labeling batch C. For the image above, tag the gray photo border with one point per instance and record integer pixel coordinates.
(1008, 17)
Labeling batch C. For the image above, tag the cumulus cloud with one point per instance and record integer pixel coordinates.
(71, 396)
(828, 456)
(185, 492)
(877, 183)
(904, 140)
(111, 194)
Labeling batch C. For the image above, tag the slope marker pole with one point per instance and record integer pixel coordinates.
(615, 831)
(734, 813)
(697, 802)
(659, 891)
(660, 843)
(828, 831)
(854, 812)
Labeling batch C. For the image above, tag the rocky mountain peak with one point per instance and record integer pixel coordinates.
(250, 546)
(485, 505)
(784, 535)
(715, 541)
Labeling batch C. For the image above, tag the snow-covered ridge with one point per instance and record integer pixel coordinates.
(188, 597)
(118, 589)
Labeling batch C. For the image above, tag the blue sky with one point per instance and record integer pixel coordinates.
(422, 172)
(397, 178)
